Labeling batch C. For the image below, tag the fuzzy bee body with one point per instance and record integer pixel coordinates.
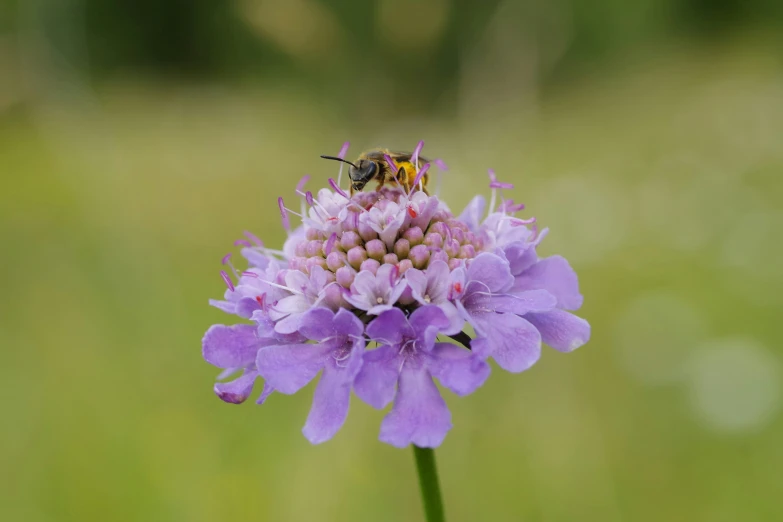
(374, 165)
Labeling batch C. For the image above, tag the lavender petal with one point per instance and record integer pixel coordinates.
(419, 415)
(457, 369)
(230, 346)
(238, 390)
(374, 384)
(513, 342)
(561, 330)
(555, 275)
(289, 367)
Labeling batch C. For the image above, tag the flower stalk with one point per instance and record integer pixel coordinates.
(428, 483)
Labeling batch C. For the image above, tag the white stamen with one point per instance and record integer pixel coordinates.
(284, 288)
(482, 283)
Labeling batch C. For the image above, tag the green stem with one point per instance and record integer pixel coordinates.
(428, 482)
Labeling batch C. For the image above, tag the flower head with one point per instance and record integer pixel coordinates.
(368, 290)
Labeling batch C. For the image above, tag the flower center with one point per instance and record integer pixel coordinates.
(427, 299)
(370, 226)
(341, 355)
(379, 300)
(408, 348)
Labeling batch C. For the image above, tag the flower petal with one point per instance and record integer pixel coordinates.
(555, 275)
(347, 323)
(363, 284)
(514, 343)
(473, 213)
(379, 309)
(290, 324)
(457, 369)
(521, 255)
(255, 258)
(492, 273)
(375, 381)
(523, 302)
(246, 306)
(417, 282)
(396, 292)
(456, 321)
(238, 390)
(332, 395)
(561, 330)
(265, 393)
(291, 305)
(289, 367)
(389, 327)
(428, 316)
(296, 280)
(231, 346)
(439, 281)
(318, 324)
(226, 306)
(419, 415)
(321, 323)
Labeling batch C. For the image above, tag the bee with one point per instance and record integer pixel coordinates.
(373, 165)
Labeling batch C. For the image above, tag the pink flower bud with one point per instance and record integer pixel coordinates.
(356, 256)
(402, 248)
(376, 249)
(370, 265)
(414, 236)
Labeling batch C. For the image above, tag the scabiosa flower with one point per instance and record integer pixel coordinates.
(370, 290)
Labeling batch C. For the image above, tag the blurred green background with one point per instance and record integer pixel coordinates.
(139, 138)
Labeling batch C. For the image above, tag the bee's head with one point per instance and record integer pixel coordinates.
(360, 173)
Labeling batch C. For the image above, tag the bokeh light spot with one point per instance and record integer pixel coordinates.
(734, 384)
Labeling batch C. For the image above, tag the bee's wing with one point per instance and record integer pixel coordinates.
(378, 155)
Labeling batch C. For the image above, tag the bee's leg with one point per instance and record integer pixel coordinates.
(381, 181)
(423, 184)
(402, 179)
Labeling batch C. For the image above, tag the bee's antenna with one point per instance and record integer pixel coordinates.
(340, 159)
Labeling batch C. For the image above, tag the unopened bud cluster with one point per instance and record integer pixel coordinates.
(386, 227)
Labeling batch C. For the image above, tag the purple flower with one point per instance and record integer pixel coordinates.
(397, 267)
(409, 358)
(481, 295)
(339, 345)
(433, 286)
(305, 293)
(376, 293)
(385, 219)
